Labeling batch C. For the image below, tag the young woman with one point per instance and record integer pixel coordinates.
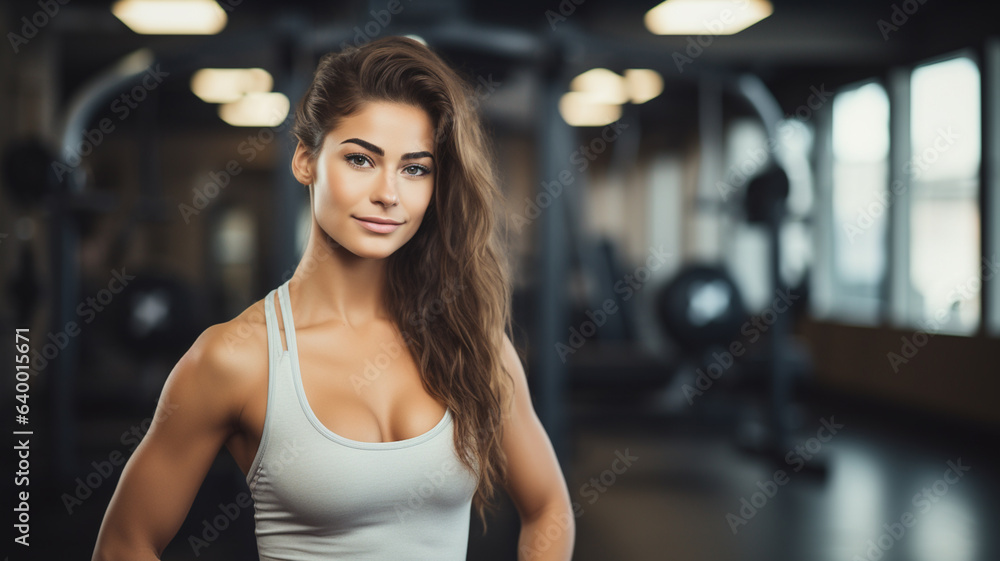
(374, 399)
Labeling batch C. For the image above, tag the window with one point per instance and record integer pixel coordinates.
(945, 278)
(900, 235)
(234, 247)
(860, 201)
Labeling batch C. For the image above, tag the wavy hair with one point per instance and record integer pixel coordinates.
(448, 288)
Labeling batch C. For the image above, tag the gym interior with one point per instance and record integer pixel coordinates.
(754, 247)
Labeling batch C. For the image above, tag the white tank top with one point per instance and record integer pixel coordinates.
(318, 495)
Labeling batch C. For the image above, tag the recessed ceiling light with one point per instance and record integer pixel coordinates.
(171, 17)
(643, 84)
(221, 85)
(582, 109)
(256, 110)
(602, 85)
(706, 17)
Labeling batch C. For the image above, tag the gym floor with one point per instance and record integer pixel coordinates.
(879, 488)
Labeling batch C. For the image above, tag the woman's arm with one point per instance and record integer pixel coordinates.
(196, 413)
(535, 482)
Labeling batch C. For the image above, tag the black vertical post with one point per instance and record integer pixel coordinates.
(64, 264)
(555, 141)
(989, 187)
(288, 193)
(780, 373)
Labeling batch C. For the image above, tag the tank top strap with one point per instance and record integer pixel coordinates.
(286, 317)
(274, 348)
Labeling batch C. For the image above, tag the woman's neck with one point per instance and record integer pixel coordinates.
(332, 284)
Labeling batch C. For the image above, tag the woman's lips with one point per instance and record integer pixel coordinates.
(376, 227)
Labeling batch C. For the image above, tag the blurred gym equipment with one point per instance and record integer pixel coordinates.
(29, 180)
(703, 313)
(701, 308)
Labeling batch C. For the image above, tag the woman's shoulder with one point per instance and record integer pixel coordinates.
(232, 353)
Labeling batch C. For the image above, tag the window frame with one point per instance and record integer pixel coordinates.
(895, 310)
(900, 313)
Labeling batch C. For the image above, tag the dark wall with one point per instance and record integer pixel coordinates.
(953, 375)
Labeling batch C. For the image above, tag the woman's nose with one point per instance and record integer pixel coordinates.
(386, 194)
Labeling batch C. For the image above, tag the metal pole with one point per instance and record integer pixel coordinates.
(555, 139)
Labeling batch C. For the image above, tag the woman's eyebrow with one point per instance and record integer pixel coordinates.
(416, 155)
(366, 145)
(369, 146)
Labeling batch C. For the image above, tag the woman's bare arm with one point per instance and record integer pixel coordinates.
(535, 481)
(197, 411)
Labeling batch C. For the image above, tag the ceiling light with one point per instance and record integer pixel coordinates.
(221, 85)
(582, 109)
(706, 17)
(256, 109)
(643, 84)
(602, 85)
(171, 17)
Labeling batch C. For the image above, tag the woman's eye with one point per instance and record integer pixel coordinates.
(415, 170)
(357, 160)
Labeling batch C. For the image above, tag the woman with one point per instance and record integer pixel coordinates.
(375, 396)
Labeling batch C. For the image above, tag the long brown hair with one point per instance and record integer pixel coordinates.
(448, 288)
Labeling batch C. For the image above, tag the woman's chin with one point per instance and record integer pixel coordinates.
(363, 249)
(370, 251)
(373, 256)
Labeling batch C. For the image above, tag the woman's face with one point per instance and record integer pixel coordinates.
(376, 166)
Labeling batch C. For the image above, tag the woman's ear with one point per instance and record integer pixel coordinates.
(303, 165)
